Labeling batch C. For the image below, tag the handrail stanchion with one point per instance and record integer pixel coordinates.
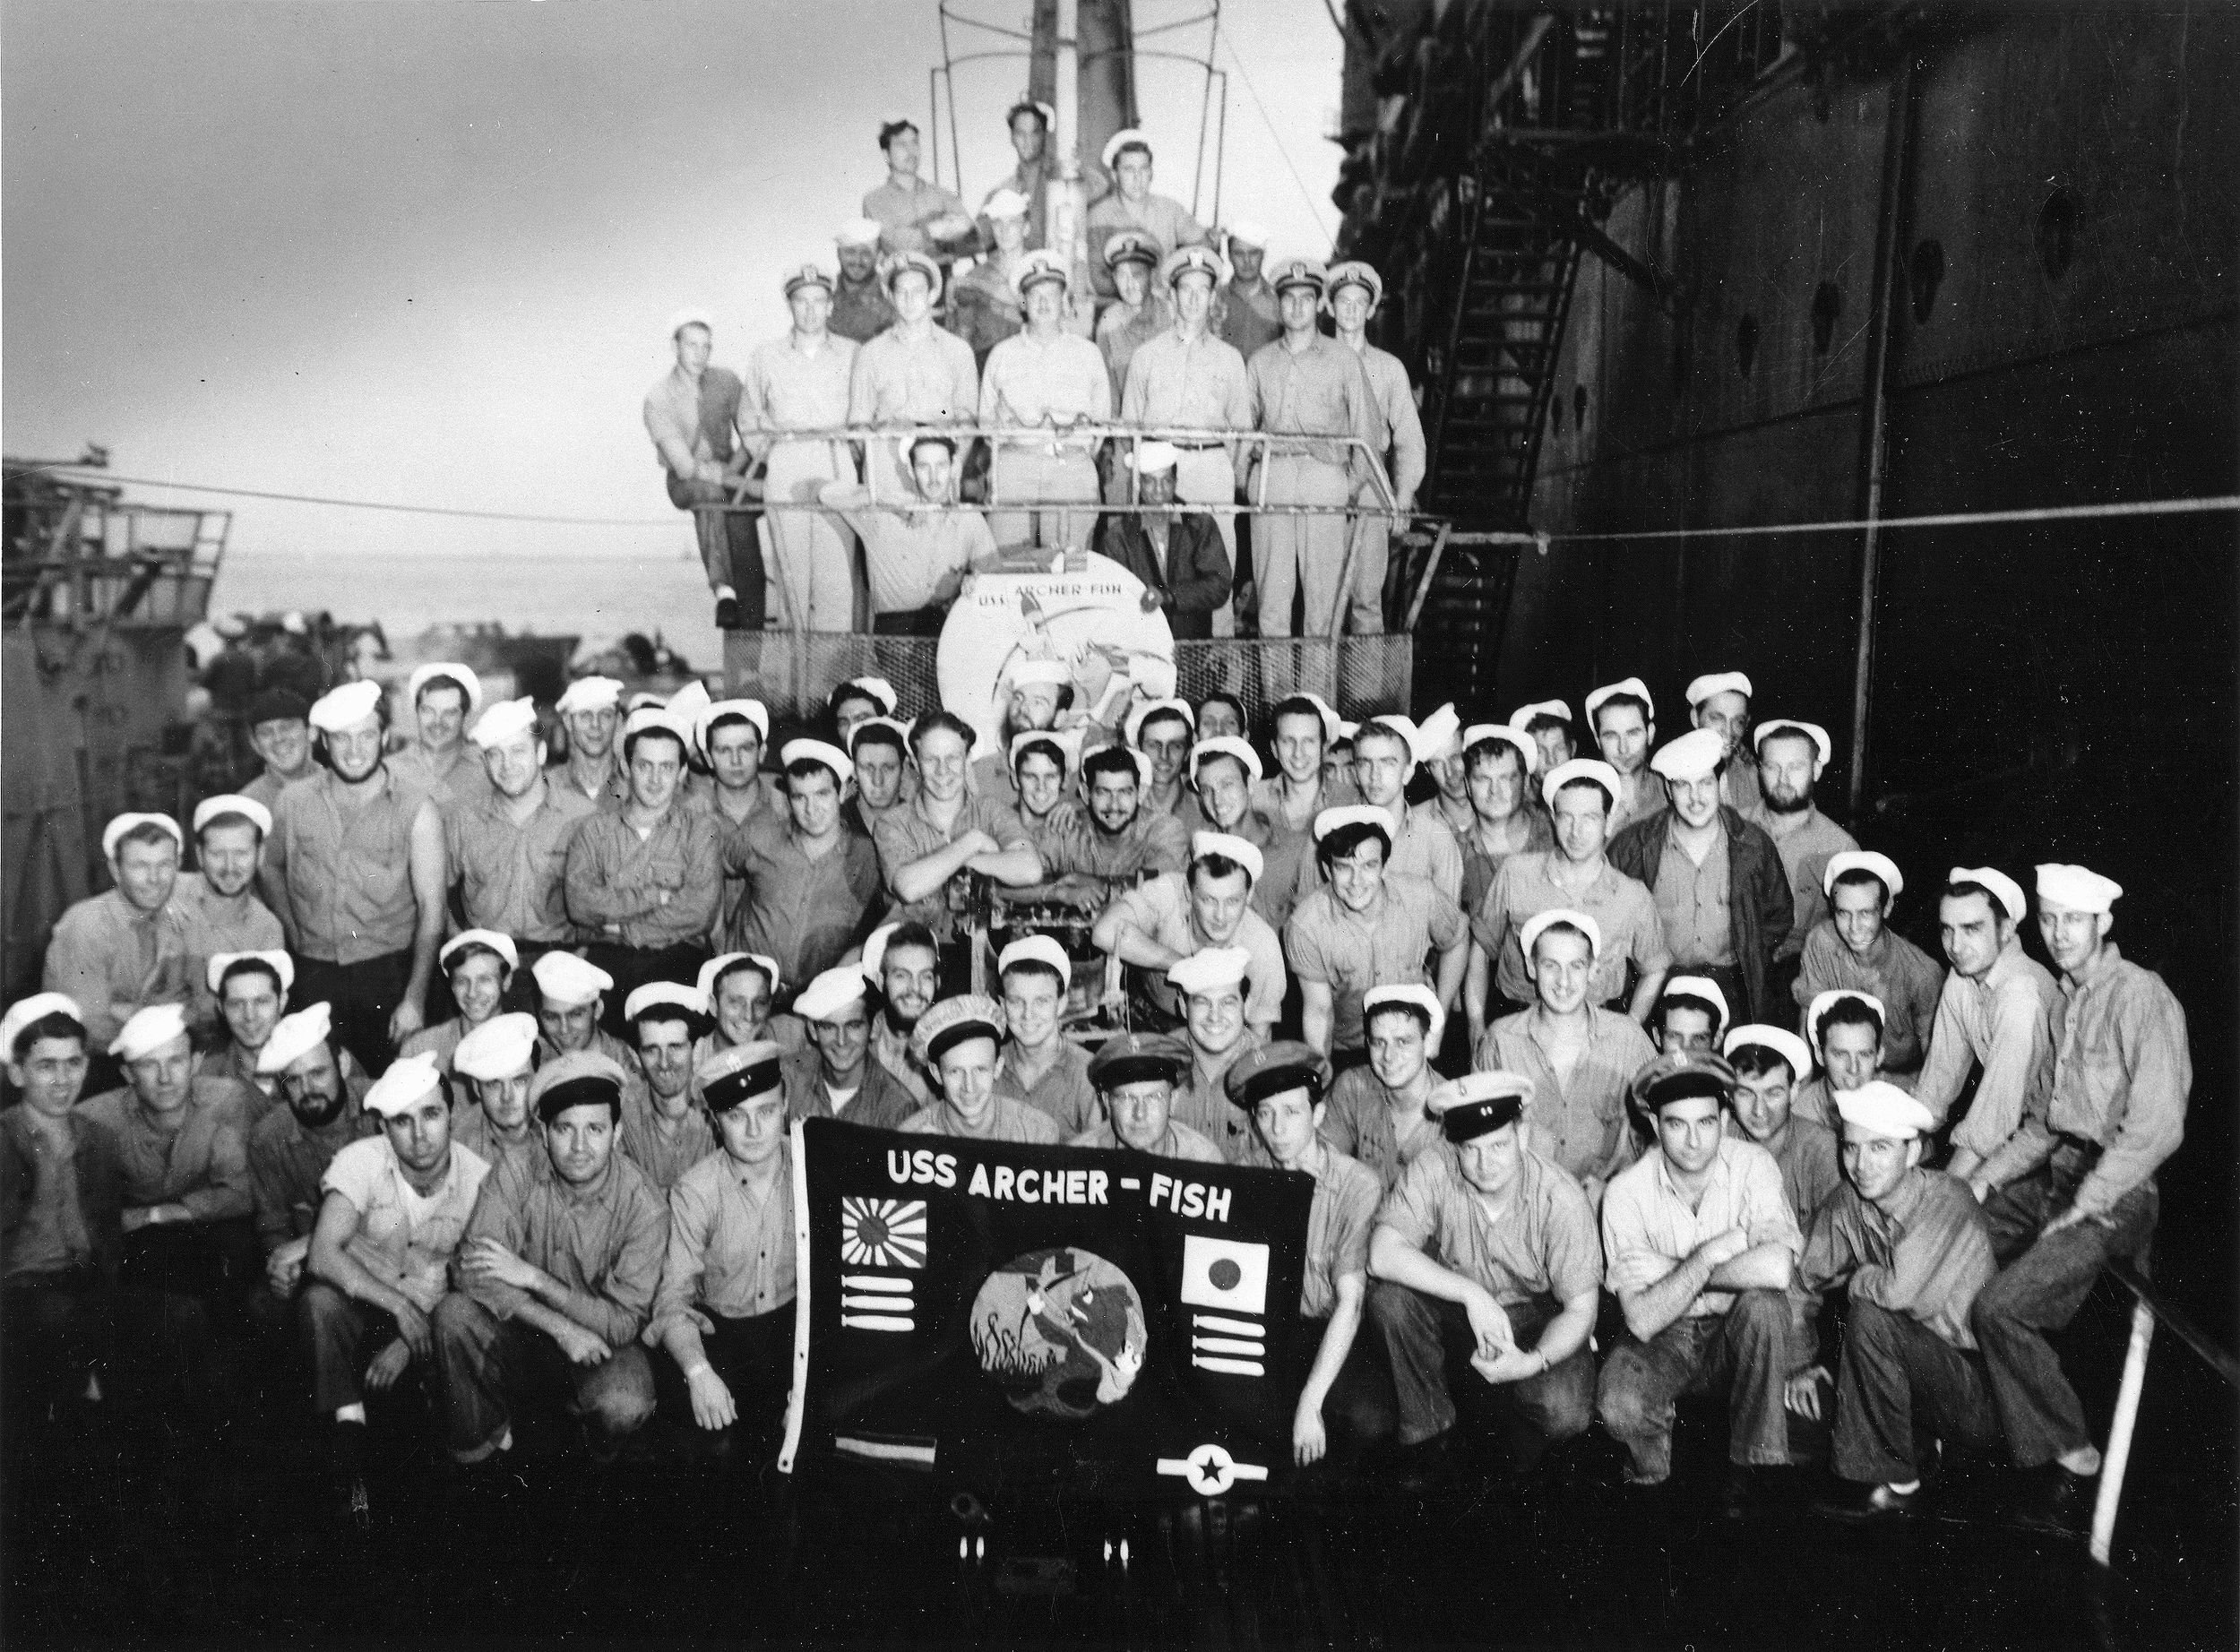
(2119, 1433)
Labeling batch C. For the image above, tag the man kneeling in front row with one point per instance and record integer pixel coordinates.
(1486, 1257)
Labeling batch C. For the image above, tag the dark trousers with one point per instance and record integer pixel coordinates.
(754, 1358)
(363, 997)
(1358, 1411)
(634, 966)
(485, 1362)
(730, 551)
(1743, 1351)
(1899, 1386)
(1430, 1344)
(55, 1330)
(909, 623)
(2039, 1290)
(339, 1338)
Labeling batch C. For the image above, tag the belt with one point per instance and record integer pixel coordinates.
(1196, 447)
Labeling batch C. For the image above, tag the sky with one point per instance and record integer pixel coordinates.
(406, 251)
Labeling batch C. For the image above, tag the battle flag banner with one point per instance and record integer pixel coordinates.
(983, 1307)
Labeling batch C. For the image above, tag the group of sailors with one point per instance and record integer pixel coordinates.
(1172, 336)
(473, 1071)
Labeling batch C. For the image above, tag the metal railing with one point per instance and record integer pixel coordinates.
(2146, 1308)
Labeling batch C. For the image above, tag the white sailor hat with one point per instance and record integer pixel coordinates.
(714, 972)
(273, 958)
(1346, 732)
(874, 954)
(1225, 745)
(1027, 100)
(1127, 137)
(1533, 927)
(827, 995)
(1331, 723)
(1394, 722)
(409, 1077)
(1880, 1108)
(565, 980)
(657, 719)
(1193, 261)
(1437, 734)
(1353, 815)
(1132, 247)
(37, 1007)
(809, 275)
(2003, 888)
(738, 1073)
(579, 1079)
(2080, 889)
(1823, 1002)
(691, 315)
(148, 1031)
(589, 694)
(1298, 273)
(843, 766)
(1823, 747)
(1151, 708)
(877, 690)
(1210, 969)
(1872, 861)
(856, 735)
(1353, 273)
(1109, 754)
(345, 707)
(1521, 717)
(724, 710)
(1692, 757)
(1036, 949)
(295, 1037)
(1005, 204)
(643, 700)
(1065, 742)
(858, 232)
(1152, 457)
(506, 720)
(233, 802)
(1528, 750)
(652, 994)
(292, 622)
(500, 1048)
(904, 263)
(1478, 1104)
(1412, 995)
(1695, 986)
(502, 944)
(1717, 683)
(685, 705)
(953, 1021)
(1250, 232)
(1781, 1040)
(1230, 847)
(1043, 264)
(1035, 673)
(1590, 769)
(422, 676)
(1633, 686)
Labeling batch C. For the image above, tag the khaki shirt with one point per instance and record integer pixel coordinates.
(1195, 383)
(287, 1163)
(1162, 910)
(1008, 1121)
(1180, 1142)
(664, 1154)
(214, 926)
(1358, 1120)
(615, 876)
(1387, 945)
(203, 1164)
(2004, 1020)
(1580, 1125)
(806, 913)
(1621, 907)
(1649, 1227)
(1064, 1092)
(341, 872)
(905, 836)
(512, 877)
(1695, 902)
(405, 1239)
(1806, 842)
(604, 1244)
(1543, 1244)
(1924, 1252)
(881, 1101)
(116, 961)
(730, 1253)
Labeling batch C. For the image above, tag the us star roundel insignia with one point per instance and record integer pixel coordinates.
(882, 1232)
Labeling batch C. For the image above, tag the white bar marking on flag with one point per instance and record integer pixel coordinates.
(873, 1282)
(1235, 1367)
(1214, 1321)
(878, 1321)
(1229, 1345)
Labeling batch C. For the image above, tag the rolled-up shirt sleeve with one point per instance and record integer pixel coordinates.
(2020, 1047)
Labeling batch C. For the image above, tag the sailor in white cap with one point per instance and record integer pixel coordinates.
(1790, 757)
(508, 852)
(478, 965)
(857, 702)
(1547, 724)
(836, 1076)
(645, 883)
(1385, 756)
(1210, 987)
(949, 828)
(1040, 1065)
(1363, 929)
(1039, 695)
(741, 989)
(915, 216)
(572, 1004)
(2123, 1073)
(1911, 1245)
(1701, 1246)
(1246, 316)
(218, 897)
(1719, 700)
(248, 994)
(917, 551)
(1302, 728)
(1043, 763)
(391, 1208)
(1999, 1008)
(960, 1040)
(692, 413)
(1048, 380)
(880, 748)
(983, 303)
(735, 795)
(589, 709)
(493, 1066)
(1224, 772)
(724, 1315)
(1439, 745)
(1722, 893)
(860, 310)
(1374, 1113)
(1766, 1060)
(355, 869)
(1181, 556)
(115, 952)
(1495, 762)
(1574, 875)
(1855, 948)
(1133, 206)
(556, 1274)
(1163, 731)
(1622, 718)
(1691, 1013)
(1845, 1030)
(444, 699)
(1355, 290)
(915, 373)
(1488, 1278)
(1206, 904)
(1580, 1055)
(290, 1147)
(663, 1129)
(799, 381)
(810, 891)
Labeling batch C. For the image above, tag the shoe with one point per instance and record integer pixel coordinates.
(349, 1476)
(1742, 1496)
(1421, 1468)
(727, 614)
(2062, 1504)
(1853, 1500)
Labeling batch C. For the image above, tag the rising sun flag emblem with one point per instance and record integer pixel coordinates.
(882, 1232)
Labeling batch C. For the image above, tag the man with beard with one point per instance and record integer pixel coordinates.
(479, 964)
(1791, 757)
(495, 1062)
(445, 700)
(115, 953)
(1213, 986)
(290, 1148)
(646, 881)
(1854, 949)
(836, 1077)
(903, 964)
(1186, 379)
(1374, 1113)
(1248, 317)
(1135, 1077)
(1622, 716)
(1040, 1065)
(693, 415)
(811, 891)
(508, 850)
(1721, 703)
(1157, 925)
(1126, 841)
(280, 732)
(357, 863)
(860, 310)
(961, 1041)
(663, 1129)
(590, 710)
(795, 382)
(223, 914)
(1039, 695)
